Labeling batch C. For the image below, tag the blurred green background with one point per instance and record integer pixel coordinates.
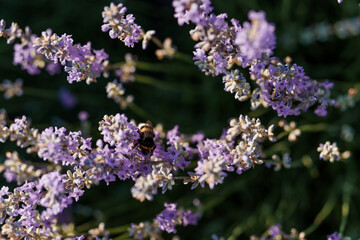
(179, 94)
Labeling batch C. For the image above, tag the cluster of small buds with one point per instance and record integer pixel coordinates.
(119, 25)
(126, 71)
(278, 81)
(55, 145)
(249, 129)
(46, 193)
(290, 128)
(99, 233)
(20, 171)
(50, 51)
(78, 179)
(11, 33)
(221, 45)
(144, 188)
(236, 83)
(86, 63)
(167, 220)
(283, 87)
(167, 50)
(25, 54)
(329, 152)
(118, 132)
(275, 233)
(116, 92)
(279, 162)
(20, 132)
(11, 89)
(239, 151)
(116, 155)
(145, 230)
(38, 203)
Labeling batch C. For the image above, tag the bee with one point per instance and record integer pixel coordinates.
(146, 141)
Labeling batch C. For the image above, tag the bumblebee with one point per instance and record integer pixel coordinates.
(146, 141)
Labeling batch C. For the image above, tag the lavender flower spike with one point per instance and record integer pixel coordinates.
(256, 38)
(119, 25)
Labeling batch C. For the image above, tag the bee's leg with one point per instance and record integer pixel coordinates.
(135, 144)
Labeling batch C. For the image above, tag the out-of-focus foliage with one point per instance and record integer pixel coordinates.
(175, 92)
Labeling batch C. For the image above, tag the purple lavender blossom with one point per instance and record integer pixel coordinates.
(334, 236)
(214, 157)
(191, 11)
(118, 132)
(83, 116)
(24, 55)
(85, 63)
(53, 68)
(171, 216)
(197, 137)
(190, 218)
(168, 218)
(275, 230)
(175, 152)
(52, 189)
(256, 38)
(119, 25)
(66, 98)
(283, 87)
(58, 147)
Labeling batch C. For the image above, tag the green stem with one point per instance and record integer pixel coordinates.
(314, 127)
(282, 135)
(84, 227)
(156, 83)
(119, 229)
(325, 211)
(347, 191)
(183, 57)
(157, 42)
(148, 80)
(155, 67)
(306, 128)
(258, 112)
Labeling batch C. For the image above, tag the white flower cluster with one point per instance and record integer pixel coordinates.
(329, 152)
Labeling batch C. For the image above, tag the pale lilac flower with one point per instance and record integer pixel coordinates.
(187, 11)
(83, 116)
(256, 38)
(119, 25)
(334, 236)
(168, 218)
(171, 216)
(66, 98)
(85, 63)
(118, 132)
(53, 68)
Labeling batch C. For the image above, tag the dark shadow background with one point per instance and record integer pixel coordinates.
(243, 205)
